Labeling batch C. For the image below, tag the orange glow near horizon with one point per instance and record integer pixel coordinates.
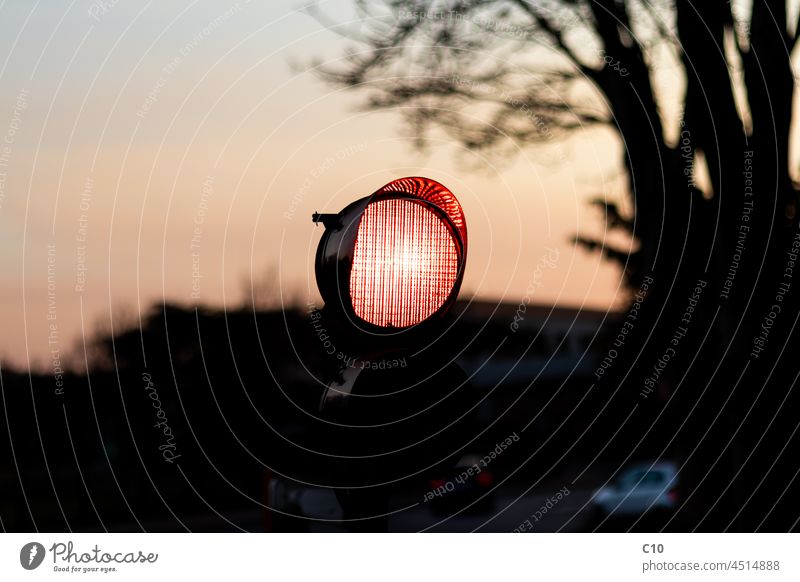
(186, 171)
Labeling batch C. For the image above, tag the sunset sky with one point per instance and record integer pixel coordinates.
(145, 144)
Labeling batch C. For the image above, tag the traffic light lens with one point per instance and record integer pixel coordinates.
(405, 263)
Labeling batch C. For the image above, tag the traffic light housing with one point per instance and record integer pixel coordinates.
(389, 267)
(393, 260)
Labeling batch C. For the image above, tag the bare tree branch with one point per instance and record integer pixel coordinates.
(556, 36)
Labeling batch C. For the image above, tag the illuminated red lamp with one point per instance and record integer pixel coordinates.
(396, 258)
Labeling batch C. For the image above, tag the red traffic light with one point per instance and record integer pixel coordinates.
(396, 258)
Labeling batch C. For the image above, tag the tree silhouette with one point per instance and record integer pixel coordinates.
(493, 74)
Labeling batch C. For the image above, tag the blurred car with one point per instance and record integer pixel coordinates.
(466, 483)
(649, 487)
